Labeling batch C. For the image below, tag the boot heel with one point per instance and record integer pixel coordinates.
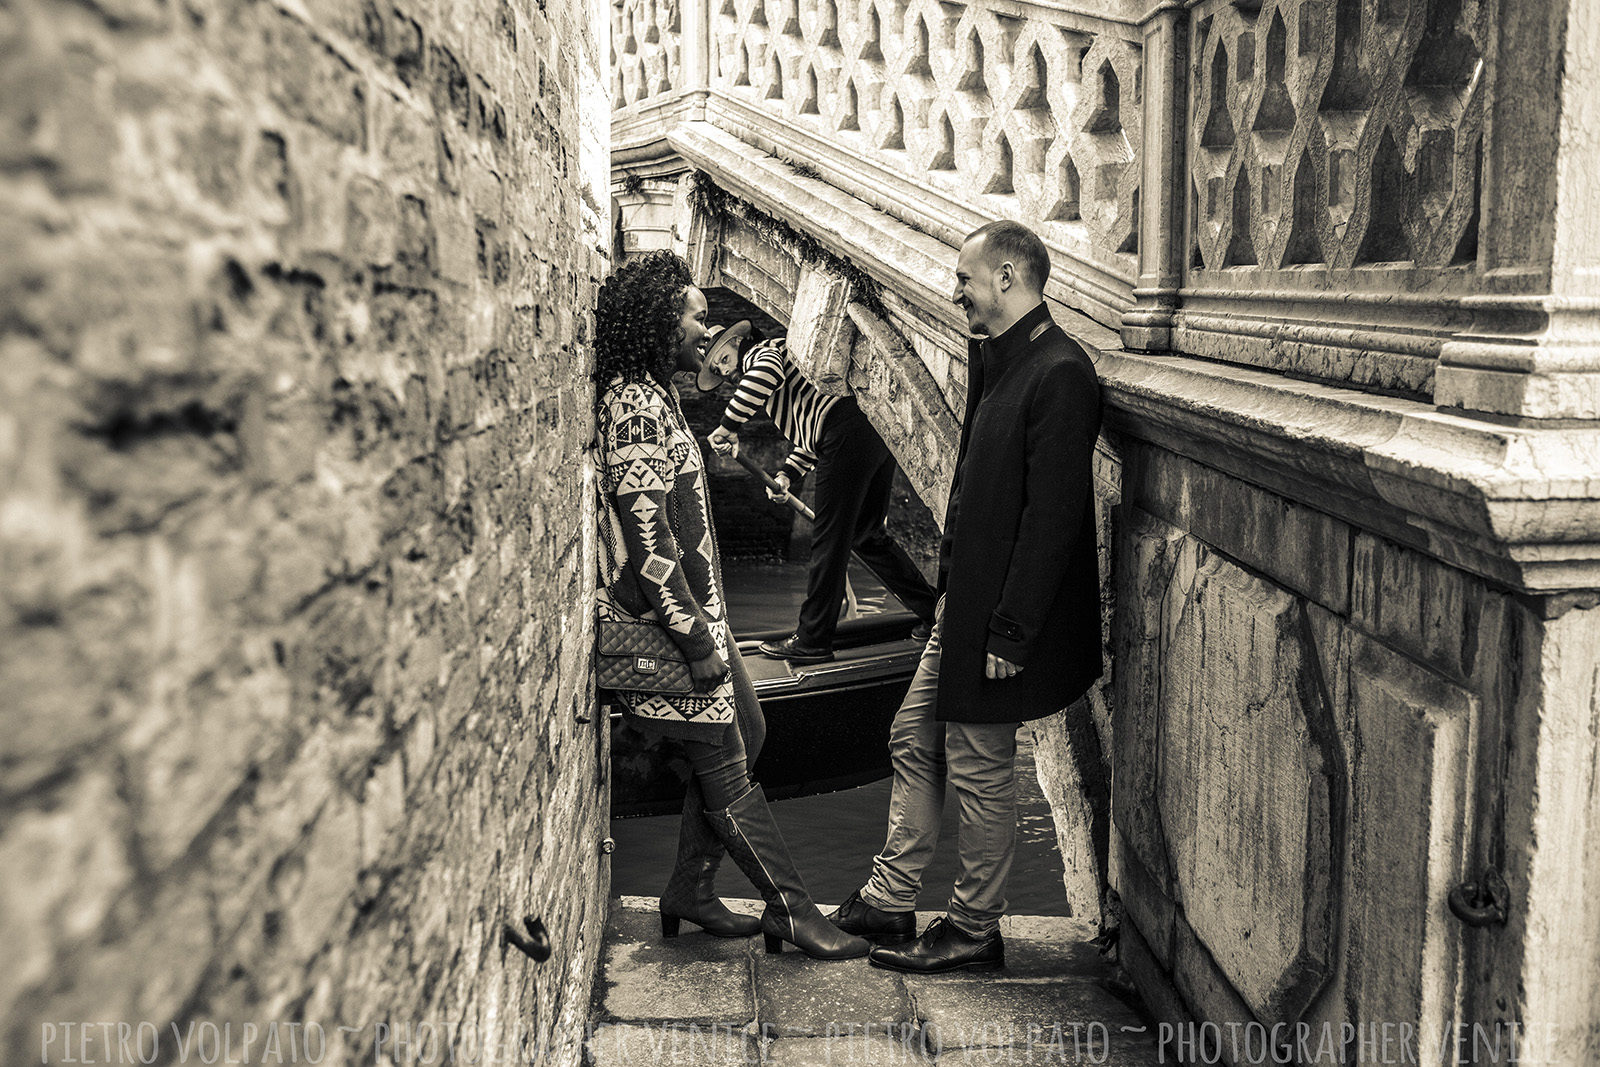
(669, 925)
(774, 943)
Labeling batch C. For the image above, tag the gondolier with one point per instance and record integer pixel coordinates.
(854, 478)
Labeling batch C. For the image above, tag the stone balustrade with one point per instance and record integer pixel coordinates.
(1334, 150)
(1363, 192)
(1333, 140)
(1035, 117)
(942, 114)
(647, 50)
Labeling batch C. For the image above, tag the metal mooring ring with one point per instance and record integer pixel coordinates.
(1481, 903)
(536, 945)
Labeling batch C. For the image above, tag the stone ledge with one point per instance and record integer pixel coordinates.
(840, 222)
(1518, 505)
(1055, 929)
(639, 133)
(912, 264)
(915, 266)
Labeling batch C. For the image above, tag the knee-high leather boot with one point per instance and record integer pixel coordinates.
(691, 892)
(756, 844)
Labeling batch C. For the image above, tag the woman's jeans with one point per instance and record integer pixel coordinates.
(723, 767)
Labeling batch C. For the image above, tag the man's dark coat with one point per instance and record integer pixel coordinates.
(1018, 562)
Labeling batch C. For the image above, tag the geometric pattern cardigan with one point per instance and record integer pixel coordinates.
(658, 552)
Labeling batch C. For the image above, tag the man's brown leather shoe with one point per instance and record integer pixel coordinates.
(943, 948)
(856, 916)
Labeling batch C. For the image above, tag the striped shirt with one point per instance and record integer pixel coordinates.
(768, 380)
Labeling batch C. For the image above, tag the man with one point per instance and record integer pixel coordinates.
(1017, 632)
(854, 471)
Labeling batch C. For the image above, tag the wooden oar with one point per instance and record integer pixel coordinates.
(794, 502)
(852, 608)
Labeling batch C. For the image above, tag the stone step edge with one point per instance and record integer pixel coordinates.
(1054, 929)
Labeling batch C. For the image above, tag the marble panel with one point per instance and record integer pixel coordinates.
(1249, 780)
(1409, 821)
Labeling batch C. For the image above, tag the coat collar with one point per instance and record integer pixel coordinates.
(1000, 352)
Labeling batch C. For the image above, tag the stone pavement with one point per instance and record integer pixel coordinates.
(705, 1001)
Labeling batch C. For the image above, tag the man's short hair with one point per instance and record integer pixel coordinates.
(1007, 240)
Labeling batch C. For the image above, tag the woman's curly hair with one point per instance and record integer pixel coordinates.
(637, 317)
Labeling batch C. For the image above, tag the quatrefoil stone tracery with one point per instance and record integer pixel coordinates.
(1336, 133)
(961, 98)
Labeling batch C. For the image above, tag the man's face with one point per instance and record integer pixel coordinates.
(726, 362)
(978, 287)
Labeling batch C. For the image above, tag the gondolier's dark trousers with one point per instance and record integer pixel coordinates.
(854, 477)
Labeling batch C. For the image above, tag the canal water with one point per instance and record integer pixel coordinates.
(834, 837)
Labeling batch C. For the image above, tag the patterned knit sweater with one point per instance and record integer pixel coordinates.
(658, 552)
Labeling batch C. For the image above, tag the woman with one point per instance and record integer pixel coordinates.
(659, 561)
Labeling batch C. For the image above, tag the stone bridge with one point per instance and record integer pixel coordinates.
(1337, 262)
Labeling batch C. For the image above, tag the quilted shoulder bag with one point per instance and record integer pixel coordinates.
(639, 657)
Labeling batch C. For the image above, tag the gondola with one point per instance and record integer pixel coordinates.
(827, 723)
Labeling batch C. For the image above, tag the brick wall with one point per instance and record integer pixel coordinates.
(293, 315)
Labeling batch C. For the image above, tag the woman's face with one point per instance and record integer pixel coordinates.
(696, 335)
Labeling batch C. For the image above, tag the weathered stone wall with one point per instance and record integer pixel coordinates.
(292, 572)
(1318, 738)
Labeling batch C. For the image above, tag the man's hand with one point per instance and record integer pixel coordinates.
(782, 479)
(999, 669)
(708, 672)
(724, 442)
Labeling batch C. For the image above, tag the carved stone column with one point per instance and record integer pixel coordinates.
(1538, 356)
(645, 212)
(696, 15)
(1147, 326)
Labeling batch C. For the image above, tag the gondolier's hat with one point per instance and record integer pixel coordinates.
(722, 358)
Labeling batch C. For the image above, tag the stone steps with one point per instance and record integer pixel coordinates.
(707, 1001)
